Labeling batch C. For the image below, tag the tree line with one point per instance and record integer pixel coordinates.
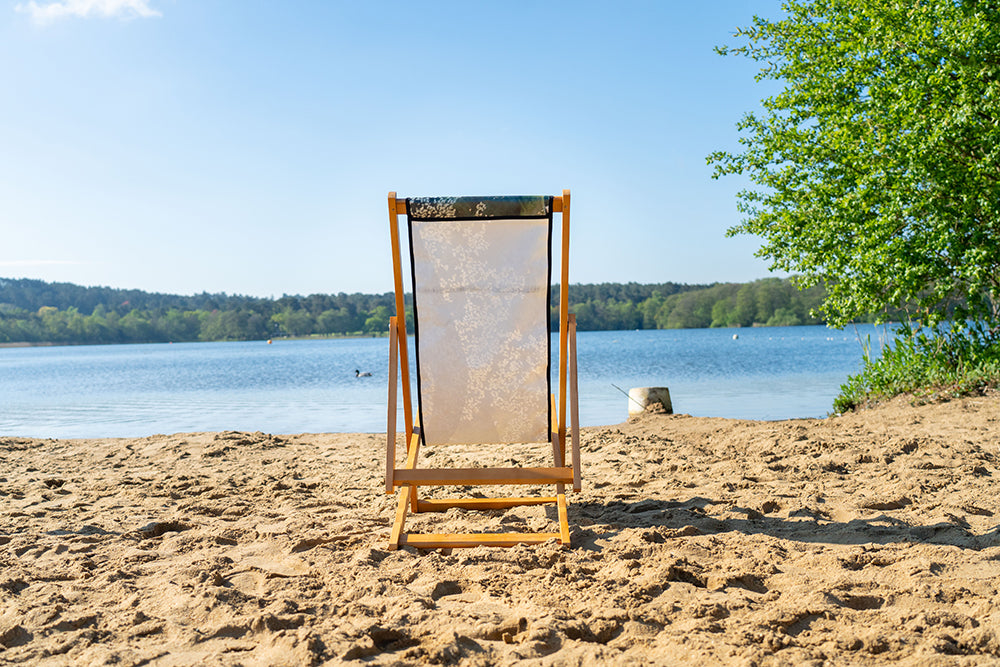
(767, 302)
(34, 311)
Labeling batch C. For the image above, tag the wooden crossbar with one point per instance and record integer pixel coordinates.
(482, 503)
(475, 476)
(450, 540)
(399, 205)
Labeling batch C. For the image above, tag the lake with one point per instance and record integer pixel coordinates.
(310, 386)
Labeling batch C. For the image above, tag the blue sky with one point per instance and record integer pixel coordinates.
(247, 147)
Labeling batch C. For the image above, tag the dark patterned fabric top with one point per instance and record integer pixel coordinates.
(458, 208)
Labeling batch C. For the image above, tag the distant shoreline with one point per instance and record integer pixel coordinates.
(277, 339)
(2, 345)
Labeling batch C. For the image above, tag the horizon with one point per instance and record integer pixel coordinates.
(180, 148)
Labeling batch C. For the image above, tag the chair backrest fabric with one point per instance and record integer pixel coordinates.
(481, 272)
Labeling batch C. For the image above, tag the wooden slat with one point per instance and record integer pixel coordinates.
(558, 450)
(412, 447)
(412, 450)
(482, 503)
(404, 371)
(554, 425)
(453, 540)
(563, 315)
(558, 459)
(390, 431)
(397, 276)
(574, 406)
(474, 476)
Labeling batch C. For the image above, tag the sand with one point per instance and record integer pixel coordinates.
(862, 539)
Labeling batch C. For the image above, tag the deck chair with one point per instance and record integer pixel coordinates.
(481, 286)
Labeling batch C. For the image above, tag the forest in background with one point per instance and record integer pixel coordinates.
(34, 311)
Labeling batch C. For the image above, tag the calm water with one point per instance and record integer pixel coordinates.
(309, 386)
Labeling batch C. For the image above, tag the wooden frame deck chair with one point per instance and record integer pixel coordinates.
(481, 273)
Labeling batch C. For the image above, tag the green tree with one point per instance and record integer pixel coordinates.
(746, 305)
(223, 325)
(693, 310)
(649, 308)
(176, 325)
(772, 294)
(136, 327)
(783, 317)
(378, 320)
(586, 320)
(723, 313)
(294, 322)
(876, 168)
(334, 321)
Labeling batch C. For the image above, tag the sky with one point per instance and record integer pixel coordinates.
(247, 147)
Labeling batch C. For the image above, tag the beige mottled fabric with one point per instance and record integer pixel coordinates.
(481, 294)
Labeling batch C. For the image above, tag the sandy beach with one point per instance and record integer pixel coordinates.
(863, 539)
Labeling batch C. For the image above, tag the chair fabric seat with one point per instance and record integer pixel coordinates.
(481, 307)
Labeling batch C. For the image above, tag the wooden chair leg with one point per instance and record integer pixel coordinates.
(397, 525)
(563, 518)
(411, 463)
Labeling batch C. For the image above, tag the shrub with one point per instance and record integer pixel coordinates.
(962, 359)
